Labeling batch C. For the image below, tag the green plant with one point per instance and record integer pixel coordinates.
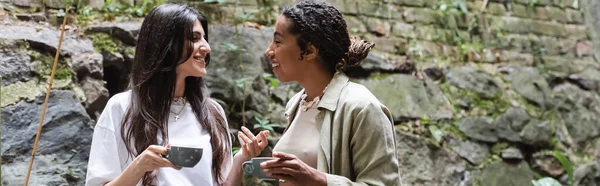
(264, 124)
(448, 13)
(103, 42)
(532, 3)
(436, 133)
(84, 15)
(273, 81)
(235, 150)
(119, 12)
(565, 163)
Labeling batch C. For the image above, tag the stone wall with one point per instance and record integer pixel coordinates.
(483, 92)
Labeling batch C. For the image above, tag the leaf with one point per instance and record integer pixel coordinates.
(240, 82)
(235, 150)
(268, 128)
(463, 7)
(547, 181)
(272, 80)
(272, 125)
(61, 13)
(139, 12)
(566, 164)
(443, 7)
(233, 47)
(436, 133)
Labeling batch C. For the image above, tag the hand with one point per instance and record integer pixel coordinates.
(151, 159)
(252, 145)
(289, 168)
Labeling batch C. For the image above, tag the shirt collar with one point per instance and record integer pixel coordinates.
(332, 93)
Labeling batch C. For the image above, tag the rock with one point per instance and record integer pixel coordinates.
(547, 164)
(14, 67)
(96, 4)
(474, 152)
(421, 15)
(116, 71)
(354, 24)
(378, 62)
(96, 96)
(276, 116)
(409, 97)
(46, 39)
(126, 32)
(561, 66)
(64, 144)
(28, 3)
(593, 148)
(378, 10)
(424, 165)
(112, 58)
(46, 171)
(582, 111)
(587, 174)
(88, 64)
(510, 123)
(389, 44)
(511, 154)
(504, 174)
(537, 133)
(404, 30)
(531, 84)
(285, 91)
(592, 21)
(479, 128)
(56, 4)
(35, 17)
(379, 28)
(226, 80)
(467, 77)
(433, 72)
(584, 48)
(20, 90)
(589, 79)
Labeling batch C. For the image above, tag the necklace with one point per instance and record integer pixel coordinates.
(307, 105)
(178, 101)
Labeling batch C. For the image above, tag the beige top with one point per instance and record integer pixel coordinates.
(302, 137)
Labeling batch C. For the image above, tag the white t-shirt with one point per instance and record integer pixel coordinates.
(109, 156)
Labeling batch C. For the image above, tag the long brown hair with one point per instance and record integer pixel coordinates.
(165, 41)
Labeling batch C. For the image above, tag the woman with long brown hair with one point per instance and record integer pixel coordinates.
(167, 103)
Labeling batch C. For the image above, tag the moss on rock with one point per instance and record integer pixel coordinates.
(104, 42)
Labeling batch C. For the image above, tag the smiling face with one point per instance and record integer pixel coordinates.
(284, 53)
(195, 65)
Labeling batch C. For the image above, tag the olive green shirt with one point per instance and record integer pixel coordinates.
(357, 136)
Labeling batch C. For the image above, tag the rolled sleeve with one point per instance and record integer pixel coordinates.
(373, 149)
(103, 165)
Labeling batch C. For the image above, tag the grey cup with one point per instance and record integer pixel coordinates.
(184, 156)
(252, 168)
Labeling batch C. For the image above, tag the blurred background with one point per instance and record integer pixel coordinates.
(483, 92)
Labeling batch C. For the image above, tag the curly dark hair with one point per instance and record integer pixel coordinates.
(322, 25)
